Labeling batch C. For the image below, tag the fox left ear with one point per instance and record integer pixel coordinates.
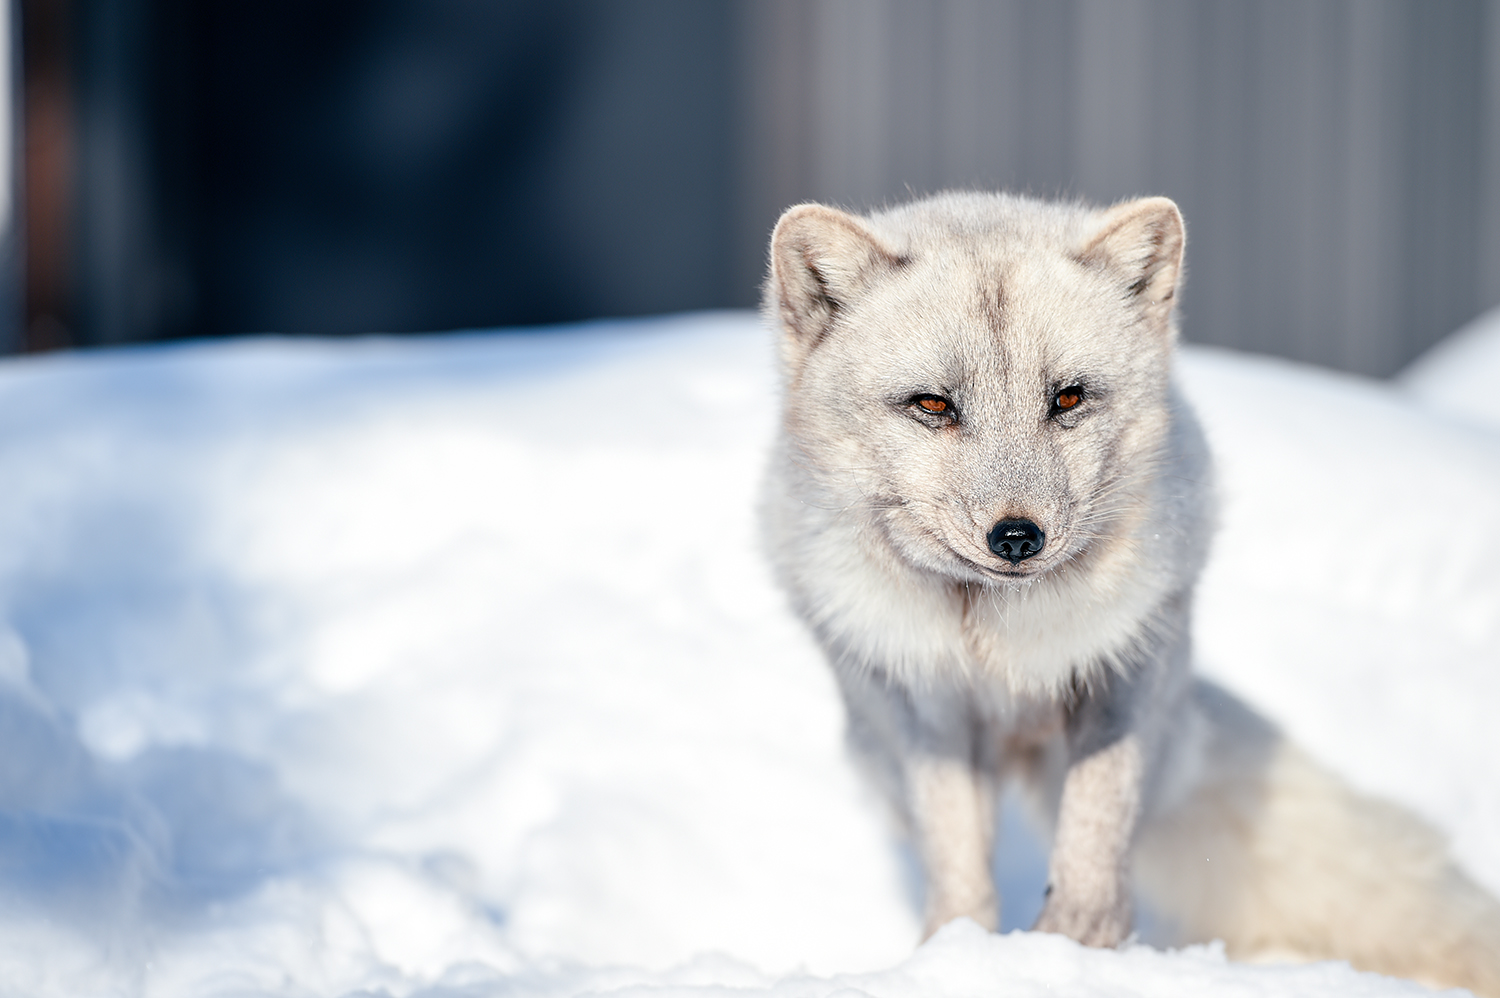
(1142, 241)
(821, 260)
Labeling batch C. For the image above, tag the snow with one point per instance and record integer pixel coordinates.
(1451, 377)
(449, 666)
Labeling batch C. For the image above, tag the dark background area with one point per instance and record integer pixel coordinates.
(339, 168)
(207, 169)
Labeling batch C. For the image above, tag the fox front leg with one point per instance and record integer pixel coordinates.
(1088, 885)
(1113, 734)
(952, 811)
(1088, 889)
(924, 747)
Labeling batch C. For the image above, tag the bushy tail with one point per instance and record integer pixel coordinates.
(1280, 859)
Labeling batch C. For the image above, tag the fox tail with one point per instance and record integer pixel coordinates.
(1280, 859)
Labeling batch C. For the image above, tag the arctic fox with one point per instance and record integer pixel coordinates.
(990, 504)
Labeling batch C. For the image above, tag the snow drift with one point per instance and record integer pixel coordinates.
(449, 666)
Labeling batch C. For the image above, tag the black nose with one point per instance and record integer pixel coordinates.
(1016, 540)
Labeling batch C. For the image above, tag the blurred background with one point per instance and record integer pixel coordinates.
(312, 167)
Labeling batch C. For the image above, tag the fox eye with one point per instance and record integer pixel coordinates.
(933, 410)
(1068, 397)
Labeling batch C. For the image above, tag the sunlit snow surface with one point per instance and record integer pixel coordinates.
(449, 666)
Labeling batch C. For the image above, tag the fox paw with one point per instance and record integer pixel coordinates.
(1093, 924)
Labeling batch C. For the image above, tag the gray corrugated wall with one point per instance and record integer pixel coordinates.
(1338, 161)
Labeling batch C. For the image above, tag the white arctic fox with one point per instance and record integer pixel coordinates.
(990, 505)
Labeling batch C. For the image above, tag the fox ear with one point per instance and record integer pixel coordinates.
(1142, 241)
(821, 259)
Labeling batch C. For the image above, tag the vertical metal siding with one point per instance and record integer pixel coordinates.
(1338, 162)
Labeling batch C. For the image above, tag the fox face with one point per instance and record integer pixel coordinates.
(983, 380)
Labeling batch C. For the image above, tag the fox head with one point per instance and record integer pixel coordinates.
(981, 379)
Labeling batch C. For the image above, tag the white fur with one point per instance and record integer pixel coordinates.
(1070, 668)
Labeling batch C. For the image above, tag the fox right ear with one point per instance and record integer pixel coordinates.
(821, 259)
(1141, 241)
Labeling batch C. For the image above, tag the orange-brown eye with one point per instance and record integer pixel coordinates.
(933, 404)
(1068, 398)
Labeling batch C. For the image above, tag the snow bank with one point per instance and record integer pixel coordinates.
(449, 667)
(1453, 377)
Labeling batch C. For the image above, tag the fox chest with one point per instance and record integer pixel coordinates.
(1039, 643)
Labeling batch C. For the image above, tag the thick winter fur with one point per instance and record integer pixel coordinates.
(1042, 334)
